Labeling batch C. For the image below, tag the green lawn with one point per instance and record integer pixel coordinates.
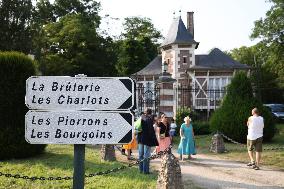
(235, 152)
(58, 161)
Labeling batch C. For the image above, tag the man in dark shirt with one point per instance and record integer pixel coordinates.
(146, 139)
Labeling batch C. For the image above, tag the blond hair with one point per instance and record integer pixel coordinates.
(186, 118)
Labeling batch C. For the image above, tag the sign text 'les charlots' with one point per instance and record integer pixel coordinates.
(78, 127)
(79, 93)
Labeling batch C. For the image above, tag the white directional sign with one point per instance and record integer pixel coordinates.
(78, 127)
(79, 93)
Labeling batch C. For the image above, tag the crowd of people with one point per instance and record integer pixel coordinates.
(157, 132)
(154, 133)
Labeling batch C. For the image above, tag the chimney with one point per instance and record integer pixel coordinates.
(190, 24)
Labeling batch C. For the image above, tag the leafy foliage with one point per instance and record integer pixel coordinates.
(236, 107)
(139, 45)
(131, 57)
(264, 80)
(201, 127)
(15, 69)
(139, 28)
(181, 114)
(15, 22)
(75, 46)
(271, 32)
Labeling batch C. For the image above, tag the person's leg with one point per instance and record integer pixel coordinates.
(128, 154)
(141, 155)
(147, 153)
(258, 149)
(257, 158)
(250, 152)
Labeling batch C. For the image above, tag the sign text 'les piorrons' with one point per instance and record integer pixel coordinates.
(78, 127)
(79, 93)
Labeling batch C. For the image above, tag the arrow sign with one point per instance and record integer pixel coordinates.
(79, 93)
(78, 127)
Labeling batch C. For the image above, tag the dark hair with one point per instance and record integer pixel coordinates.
(148, 111)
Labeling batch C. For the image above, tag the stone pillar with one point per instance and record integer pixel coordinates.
(167, 99)
(108, 153)
(217, 144)
(169, 173)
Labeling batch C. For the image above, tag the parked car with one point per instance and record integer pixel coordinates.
(277, 110)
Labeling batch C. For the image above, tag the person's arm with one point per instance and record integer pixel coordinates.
(248, 122)
(158, 133)
(181, 133)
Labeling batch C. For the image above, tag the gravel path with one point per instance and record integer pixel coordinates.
(215, 173)
(211, 172)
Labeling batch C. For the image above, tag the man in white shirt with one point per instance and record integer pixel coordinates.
(255, 125)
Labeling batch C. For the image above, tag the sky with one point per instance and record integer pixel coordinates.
(225, 24)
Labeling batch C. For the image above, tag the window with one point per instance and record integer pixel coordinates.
(168, 60)
(184, 59)
(217, 87)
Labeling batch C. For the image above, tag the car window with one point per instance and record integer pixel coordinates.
(279, 108)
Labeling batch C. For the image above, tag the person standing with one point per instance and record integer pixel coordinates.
(146, 139)
(173, 128)
(163, 134)
(186, 145)
(255, 126)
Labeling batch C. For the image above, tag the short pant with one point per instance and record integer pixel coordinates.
(255, 144)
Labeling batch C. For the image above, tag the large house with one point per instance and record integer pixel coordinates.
(198, 81)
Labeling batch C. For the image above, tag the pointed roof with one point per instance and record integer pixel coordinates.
(217, 59)
(178, 34)
(153, 68)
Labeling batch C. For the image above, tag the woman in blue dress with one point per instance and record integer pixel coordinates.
(186, 145)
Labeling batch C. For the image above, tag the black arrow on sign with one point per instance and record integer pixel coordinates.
(128, 103)
(128, 137)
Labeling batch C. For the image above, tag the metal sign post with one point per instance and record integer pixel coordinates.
(79, 161)
(79, 166)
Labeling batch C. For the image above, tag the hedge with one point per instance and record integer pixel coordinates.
(15, 68)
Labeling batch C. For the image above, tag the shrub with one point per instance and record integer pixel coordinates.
(201, 127)
(181, 114)
(235, 109)
(15, 68)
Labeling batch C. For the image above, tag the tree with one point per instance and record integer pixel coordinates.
(231, 117)
(75, 46)
(131, 57)
(264, 80)
(15, 22)
(139, 28)
(271, 32)
(139, 45)
(108, 152)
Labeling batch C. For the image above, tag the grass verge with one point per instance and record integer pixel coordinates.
(274, 158)
(58, 161)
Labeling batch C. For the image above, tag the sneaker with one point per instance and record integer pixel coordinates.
(255, 167)
(251, 163)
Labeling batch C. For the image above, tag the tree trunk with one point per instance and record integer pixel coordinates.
(108, 153)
